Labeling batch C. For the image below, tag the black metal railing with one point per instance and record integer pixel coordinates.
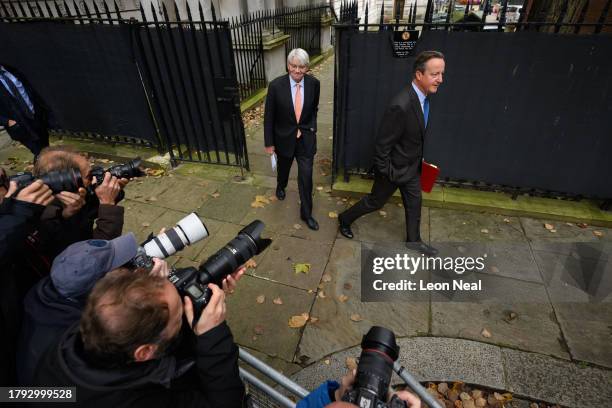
(247, 40)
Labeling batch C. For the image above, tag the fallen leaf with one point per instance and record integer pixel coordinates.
(295, 322)
(262, 199)
(382, 213)
(257, 204)
(332, 214)
(342, 298)
(485, 333)
(356, 317)
(310, 291)
(314, 319)
(400, 205)
(351, 363)
(319, 188)
(215, 194)
(152, 199)
(258, 329)
(326, 278)
(301, 268)
(145, 224)
(321, 294)
(582, 225)
(510, 316)
(484, 231)
(277, 301)
(273, 198)
(553, 230)
(549, 226)
(347, 286)
(250, 264)
(506, 220)
(598, 233)
(261, 299)
(155, 173)
(569, 224)
(326, 362)
(297, 226)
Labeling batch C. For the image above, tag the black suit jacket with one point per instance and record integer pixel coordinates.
(10, 108)
(399, 146)
(280, 124)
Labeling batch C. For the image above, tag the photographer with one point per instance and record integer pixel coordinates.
(125, 353)
(329, 394)
(71, 217)
(18, 215)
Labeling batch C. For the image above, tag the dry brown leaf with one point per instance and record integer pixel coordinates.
(314, 319)
(553, 230)
(262, 199)
(277, 301)
(332, 214)
(152, 199)
(260, 299)
(582, 225)
(326, 362)
(485, 333)
(301, 268)
(382, 213)
(484, 231)
(351, 363)
(295, 322)
(250, 264)
(321, 294)
(549, 226)
(507, 220)
(342, 298)
(598, 233)
(297, 226)
(145, 224)
(319, 188)
(216, 194)
(356, 317)
(257, 204)
(326, 278)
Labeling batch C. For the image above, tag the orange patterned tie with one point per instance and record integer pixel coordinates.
(298, 106)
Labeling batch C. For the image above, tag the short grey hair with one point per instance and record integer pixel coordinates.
(299, 54)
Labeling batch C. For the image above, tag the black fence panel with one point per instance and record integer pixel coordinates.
(525, 110)
(85, 73)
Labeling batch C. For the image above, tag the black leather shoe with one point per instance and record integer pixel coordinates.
(345, 229)
(280, 193)
(422, 248)
(312, 223)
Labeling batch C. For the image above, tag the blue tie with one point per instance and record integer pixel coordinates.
(426, 110)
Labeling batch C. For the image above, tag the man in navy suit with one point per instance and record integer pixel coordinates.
(23, 113)
(290, 128)
(399, 151)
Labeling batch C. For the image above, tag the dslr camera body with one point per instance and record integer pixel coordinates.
(379, 351)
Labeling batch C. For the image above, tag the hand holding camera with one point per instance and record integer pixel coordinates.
(36, 193)
(212, 316)
(107, 191)
(72, 202)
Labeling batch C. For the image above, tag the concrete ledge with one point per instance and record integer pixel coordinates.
(586, 211)
(525, 374)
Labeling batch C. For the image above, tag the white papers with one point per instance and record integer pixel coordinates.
(273, 161)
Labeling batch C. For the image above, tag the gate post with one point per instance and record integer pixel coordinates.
(274, 55)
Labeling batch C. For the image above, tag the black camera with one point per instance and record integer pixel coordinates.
(127, 170)
(61, 180)
(194, 282)
(378, 353)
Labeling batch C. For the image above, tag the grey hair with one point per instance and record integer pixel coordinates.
(299, 54)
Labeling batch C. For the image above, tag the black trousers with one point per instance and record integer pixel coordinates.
(35, 141)
(382, 190)
(305, 162)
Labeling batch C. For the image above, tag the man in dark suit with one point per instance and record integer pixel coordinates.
(290, 128)
(23, 113)
(399, 151)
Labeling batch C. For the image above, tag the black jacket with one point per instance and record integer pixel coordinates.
(280, 124)
(17, 219)
(399, 146)
(27, 127)
(212, 382)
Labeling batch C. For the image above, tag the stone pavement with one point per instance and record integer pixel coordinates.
(560, 333)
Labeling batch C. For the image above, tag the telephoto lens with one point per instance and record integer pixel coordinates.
(379, 351)
(127, 170)
(246, 245)
(57, 181)
(187, 231)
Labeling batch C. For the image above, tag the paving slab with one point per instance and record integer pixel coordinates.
(534, 328)
(536, 231)
(335, 330)
(142, 189)
(232, 203)
(556, 381)
(277, 263)
(455, 225)
(187, 194)
(138, 217)
(246, 317)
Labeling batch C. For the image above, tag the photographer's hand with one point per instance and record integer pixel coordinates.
(160, 268)
(36, 193)
(231, 281)
(108, 190)
(73, 202)
(409, 398)
(346, 384)
(213, 314)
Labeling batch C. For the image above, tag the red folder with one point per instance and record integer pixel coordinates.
(429, 174)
